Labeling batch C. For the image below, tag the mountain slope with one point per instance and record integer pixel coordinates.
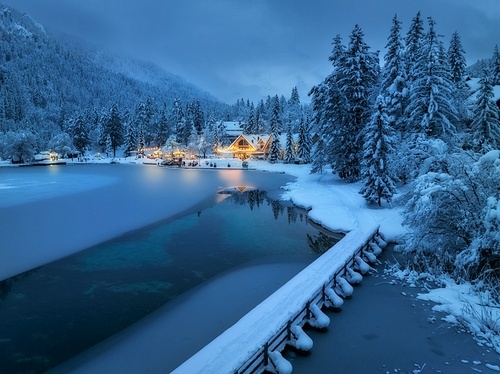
(44, 80)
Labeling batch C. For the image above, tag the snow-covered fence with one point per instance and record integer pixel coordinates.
(254, 344)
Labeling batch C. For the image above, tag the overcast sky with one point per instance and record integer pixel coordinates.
(253, 48)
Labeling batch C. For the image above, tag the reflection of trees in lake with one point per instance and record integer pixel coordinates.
(292, 214)
(321, 243)
(277, 208)
(254, 198)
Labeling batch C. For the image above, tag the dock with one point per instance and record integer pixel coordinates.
(254, 344)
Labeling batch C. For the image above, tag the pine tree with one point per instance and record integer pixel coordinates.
(414, 39)
(319, 159)
(456, 58)
(198, 117)
(251, 125)
(141, 143)
(486, 123)
(130, 140)
(458, 65)
(294, 109)
(276, 124)
(216, 144)
(304, 141)
(377, 148)
(144, 117)
(394, 84)
(177, 120)
(496, 66)
(162, 132)
(289, 148)
(430, 109)
(80, 135)
(222, 134)
(329, 105)
(114, 129)
(359, 75)
(109, 146)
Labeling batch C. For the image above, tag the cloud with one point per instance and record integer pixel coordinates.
(252, 49)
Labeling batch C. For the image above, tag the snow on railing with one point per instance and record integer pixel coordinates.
(254, 344)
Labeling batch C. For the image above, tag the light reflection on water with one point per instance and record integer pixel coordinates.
(65, 307)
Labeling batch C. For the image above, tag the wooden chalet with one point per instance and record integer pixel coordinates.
(246, 146)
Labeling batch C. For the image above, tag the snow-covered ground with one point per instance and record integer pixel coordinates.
(338, 206)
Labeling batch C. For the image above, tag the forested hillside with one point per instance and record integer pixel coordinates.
(47, 82)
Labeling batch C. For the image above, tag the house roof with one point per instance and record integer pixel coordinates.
(252, 140)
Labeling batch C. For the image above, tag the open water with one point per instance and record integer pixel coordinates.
(51, 313)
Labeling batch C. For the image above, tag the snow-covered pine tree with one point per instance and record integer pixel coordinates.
(162, 129)
(319, 157)
(289, 157)
(177, 119)
(414, 38)
(187, 128)
(198, 116)
(109, 146)
(379, 141)
(395, 88)
(275, 147)
(216, 144)
(456, 58)
(358, 77)
(294, 109)
(81, 138)
(430, 109)
(141, 143)
(458, 65)
(495, 68)
(250, 125)
(485, 126)
(394, 83)
(304, 142)
(114, 129)
(329, 105)
(130, 139)
(144, 118)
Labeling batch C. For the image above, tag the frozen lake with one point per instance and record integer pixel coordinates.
(49, 212)
(65, 307)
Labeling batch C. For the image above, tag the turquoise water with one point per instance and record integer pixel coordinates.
(58, 310)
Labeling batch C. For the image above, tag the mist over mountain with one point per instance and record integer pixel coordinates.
(47, 79)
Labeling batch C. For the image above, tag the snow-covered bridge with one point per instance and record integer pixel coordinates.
(254, 344)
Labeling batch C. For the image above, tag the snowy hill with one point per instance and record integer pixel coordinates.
(43, 78)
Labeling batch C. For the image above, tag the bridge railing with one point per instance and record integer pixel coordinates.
(254, 344)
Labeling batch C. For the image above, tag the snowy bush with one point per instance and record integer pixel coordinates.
(18, 146)
(453, 213)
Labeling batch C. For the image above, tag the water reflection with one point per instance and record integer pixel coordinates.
(63, 308)
(319, 242)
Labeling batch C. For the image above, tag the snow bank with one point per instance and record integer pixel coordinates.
(334, 203)
(463, 305)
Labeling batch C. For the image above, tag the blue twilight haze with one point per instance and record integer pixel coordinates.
(251, 49)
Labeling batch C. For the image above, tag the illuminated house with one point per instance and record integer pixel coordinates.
(246, 146)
